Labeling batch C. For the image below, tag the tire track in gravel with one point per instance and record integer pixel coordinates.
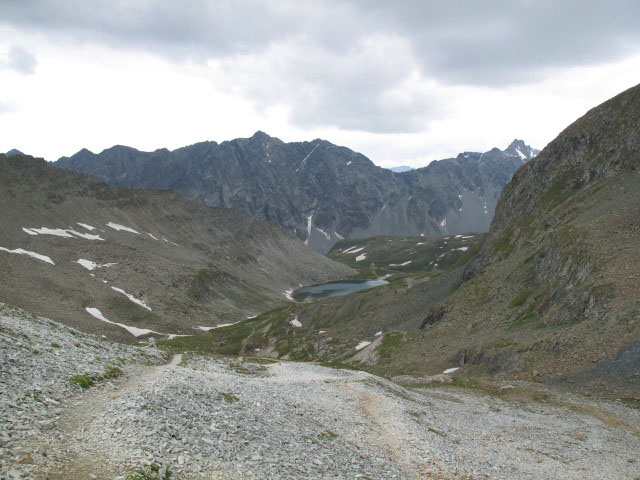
(82, 461)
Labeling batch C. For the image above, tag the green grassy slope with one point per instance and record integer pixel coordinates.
(378, 256)
(331, 328)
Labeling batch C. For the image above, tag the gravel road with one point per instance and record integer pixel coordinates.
(213, 418)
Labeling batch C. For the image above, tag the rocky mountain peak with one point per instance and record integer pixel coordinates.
(261, 137)
(82, 153)
(13, 151)
(518, 148)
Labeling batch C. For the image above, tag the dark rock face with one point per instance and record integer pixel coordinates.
(320, 191)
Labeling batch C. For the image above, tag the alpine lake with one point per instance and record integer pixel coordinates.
(333, 289)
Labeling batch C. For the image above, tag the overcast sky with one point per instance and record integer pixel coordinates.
(404, 82)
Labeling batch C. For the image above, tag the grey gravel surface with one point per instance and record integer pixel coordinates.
(204, 417)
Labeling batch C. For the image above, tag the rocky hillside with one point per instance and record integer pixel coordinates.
(554, 293)
(319, 191)
(85, 253)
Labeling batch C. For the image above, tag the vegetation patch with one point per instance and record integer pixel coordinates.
(391, 343)
(520, 298)
(504, 243)
(205, 281)
(83, 381)
(86, 381)
(150, 472)
(327, 435)
(523, 319)
(560, 189)
(401, 255)
(112, 372)
(502, 344)
(229, 397)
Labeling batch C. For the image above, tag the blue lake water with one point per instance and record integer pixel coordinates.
(332, 289)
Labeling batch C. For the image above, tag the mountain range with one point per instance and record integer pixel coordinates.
(319, 191)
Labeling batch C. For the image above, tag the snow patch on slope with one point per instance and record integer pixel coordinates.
(21, 251)
(324, 233)
(309, 223)
(116, 226)
(169, 241)
(400, 264)
(132, 298)
(135, 331)
(288, 293)
(60, 232)
(89, 265)
(86, 236)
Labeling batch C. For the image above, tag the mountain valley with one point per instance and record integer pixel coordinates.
(313, 240)
(148, 335)
(544, 299)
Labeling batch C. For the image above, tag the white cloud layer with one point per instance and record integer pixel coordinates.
(402, 82)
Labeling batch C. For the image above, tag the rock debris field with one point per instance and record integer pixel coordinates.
(149, 412)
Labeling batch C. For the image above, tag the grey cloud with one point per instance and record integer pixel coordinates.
(366, 89)
(198, 28)
(511, 41)
(313, 56)
(489, 42)
(19, 60)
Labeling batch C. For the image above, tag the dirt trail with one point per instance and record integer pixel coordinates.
(388, 434)
(82, 463)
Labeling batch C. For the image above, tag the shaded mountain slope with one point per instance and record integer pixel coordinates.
(185, 264)
(319, 191)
